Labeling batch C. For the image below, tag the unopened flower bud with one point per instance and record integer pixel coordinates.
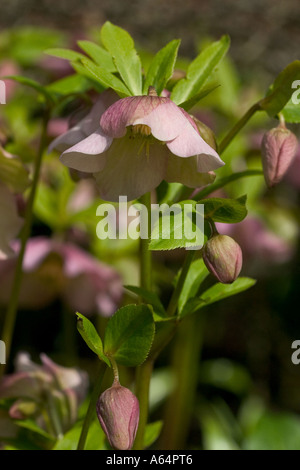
(223, 258)
(118, 413)
(279, 146)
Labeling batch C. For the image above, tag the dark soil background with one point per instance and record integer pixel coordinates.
(264, 33)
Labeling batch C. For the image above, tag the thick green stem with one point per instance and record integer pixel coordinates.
(92, 406)
(237, 127)
(145, 253)
(185, 365)
(143, 378)
(144, 372)
(10, 317)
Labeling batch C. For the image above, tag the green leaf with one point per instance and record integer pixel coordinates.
(66, 54)
(96, 439)
(121, 46)
(149, 297)
(152, 433)
(13, 173)
(200, 70)
(188, 104)
(216, 293)
(98, 54)
(106, 79)
(129, 335)
(291, 111)
(198, 272)
(281, 90)
(32, 84)
(177, 226)
(34, 428)
(161, 68)
(91, 337)
(69, 85)
(225, 210)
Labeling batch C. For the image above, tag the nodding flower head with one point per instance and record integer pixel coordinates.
(137, 142)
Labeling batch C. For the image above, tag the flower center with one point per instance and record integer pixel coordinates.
(141, 129)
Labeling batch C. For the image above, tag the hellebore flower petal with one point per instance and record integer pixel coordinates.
(128, 154)
(185, 171)
(87, 155)
(129, 170)
(190, 143)
(85, 126)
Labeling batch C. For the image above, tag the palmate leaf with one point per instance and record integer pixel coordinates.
(120, 45)
(200, 70)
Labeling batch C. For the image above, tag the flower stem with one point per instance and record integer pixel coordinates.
(144, 371)
(145, 253)
(143, 378)
(92, 406)
(237, 127)
(10, 317)
(185, 364)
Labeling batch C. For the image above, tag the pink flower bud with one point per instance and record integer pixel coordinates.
(279, 147)
(223, 258)
(118, 413)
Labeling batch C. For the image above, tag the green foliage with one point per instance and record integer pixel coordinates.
(281, 90)
(216, 293)
(121, 47)
(91, 337)
(200, 70)
(161, 68)
(129, 335)
(224, 209)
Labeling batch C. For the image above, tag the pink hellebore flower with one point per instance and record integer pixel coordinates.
(33, 384)
(141, 140)
(59, 269)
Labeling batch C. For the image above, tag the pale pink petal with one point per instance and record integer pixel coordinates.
(66, 377)
(166, 121)
(67, 140)
(37, 249)
(129, 171)
(185, 171)
(190, 143)
(85, 126)
(86, 155)
(125, 112)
